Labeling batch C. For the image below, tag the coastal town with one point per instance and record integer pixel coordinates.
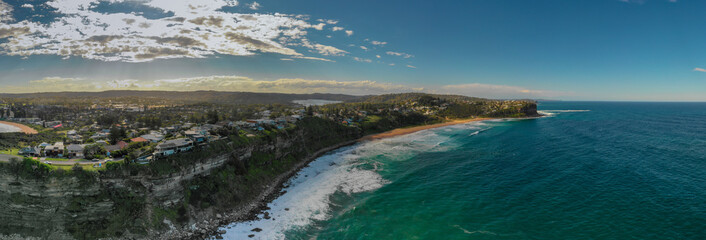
(105, 130)
(143, 167)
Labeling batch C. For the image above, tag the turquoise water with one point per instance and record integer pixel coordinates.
(613, 171)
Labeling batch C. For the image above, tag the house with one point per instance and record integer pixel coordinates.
(195, 136)
(73, 136)
(75, 150)
(155, 138)
(170, 147)
(139, 139)
(52, 124)
(30, 151)
(55, 150)
(122, 144)
(244, 124)
(111, 149)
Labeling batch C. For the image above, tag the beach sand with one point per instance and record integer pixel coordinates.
(25, 129)
(403, 131)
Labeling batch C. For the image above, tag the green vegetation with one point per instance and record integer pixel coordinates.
(122, 192)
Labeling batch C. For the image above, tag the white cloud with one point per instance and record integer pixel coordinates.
(332, 22)
(410, 66)
(329, 50)
(378, 56)
(399, 54)
(364, 48)
(255, 6)
(337, 29)
(378, 43)
(5, 12)
(362, 59)
(27, 5)
(699, 70)
(314, 58)
(349, 32)
(286, 59)
(197, 29)
(319, 26)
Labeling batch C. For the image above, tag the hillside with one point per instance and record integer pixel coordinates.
(187, 97)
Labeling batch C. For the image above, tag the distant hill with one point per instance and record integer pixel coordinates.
(404, 97)
(192, 97)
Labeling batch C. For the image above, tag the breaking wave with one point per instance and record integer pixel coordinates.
(550, 113)
(349, 170)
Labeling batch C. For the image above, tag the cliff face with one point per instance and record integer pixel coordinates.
(144, 206)
(42, 208)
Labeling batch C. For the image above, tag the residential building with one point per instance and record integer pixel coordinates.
(170, 147)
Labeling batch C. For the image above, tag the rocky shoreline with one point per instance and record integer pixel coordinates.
(208, 228)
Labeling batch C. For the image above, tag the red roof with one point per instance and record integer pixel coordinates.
(138, 139)
(122, 144)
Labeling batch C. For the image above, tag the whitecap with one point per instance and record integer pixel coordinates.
(348, 170)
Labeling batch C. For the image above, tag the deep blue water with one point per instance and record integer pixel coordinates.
(614, 171)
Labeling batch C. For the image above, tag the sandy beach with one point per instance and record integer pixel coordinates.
(25, 129)
(403, 131)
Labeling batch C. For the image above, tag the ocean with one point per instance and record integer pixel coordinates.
(588, 170)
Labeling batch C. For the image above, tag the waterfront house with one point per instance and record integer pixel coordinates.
(195, 136)
(155, 138)
(170, 147)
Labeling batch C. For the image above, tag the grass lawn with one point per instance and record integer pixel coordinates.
(10, 152)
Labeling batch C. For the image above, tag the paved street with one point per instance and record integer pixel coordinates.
(6, 158)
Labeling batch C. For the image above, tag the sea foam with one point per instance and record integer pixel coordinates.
(551, 113)
(348, 170)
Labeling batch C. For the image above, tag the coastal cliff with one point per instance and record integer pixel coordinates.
(183, 197)
(181, 204)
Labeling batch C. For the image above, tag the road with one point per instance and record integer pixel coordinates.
(6, 158)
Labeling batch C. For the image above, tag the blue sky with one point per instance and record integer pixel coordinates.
(648, 50)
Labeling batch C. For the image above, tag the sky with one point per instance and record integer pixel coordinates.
(622, 50)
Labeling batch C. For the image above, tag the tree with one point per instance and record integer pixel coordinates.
(117, 134)
(212, 116)
(93, 151)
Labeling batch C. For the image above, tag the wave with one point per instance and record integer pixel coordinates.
(349, 170)
(565, 111)
(551, 113)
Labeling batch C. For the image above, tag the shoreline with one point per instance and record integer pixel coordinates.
(404, 131)
(23, 128)
(252, 209)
